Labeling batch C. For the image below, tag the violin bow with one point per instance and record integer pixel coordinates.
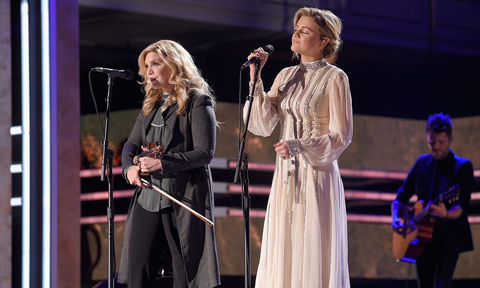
(159, 190)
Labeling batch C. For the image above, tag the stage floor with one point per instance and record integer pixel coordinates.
(238, 282)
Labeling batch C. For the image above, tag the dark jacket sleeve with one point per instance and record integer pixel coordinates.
(406, 191)
(133, 143)
(457, 232)
(466, 180)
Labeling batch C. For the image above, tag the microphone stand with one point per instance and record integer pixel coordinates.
(246, 199)
(107, 162)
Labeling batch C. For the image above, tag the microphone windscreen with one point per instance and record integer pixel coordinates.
(268, 48)
(129, 74)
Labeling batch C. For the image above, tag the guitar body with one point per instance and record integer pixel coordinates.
(408, 246)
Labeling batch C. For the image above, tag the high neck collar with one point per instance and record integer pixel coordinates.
(313, 65)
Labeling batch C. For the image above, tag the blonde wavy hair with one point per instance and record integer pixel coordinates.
(328, 25)
(186, 77)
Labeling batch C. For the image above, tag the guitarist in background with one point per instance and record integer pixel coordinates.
(431, 175)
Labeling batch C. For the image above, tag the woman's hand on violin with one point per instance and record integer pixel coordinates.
(133, 176)
(148, 164)
(145, 149)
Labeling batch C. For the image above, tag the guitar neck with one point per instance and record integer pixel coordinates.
(450, 194)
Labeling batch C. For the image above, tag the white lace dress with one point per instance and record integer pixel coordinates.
(304, 242)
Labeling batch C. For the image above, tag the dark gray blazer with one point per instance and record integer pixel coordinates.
(189, 151)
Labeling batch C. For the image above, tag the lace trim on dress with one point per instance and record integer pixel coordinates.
(258, 88)
(294, 147)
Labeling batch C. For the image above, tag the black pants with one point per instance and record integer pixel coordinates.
(436, 265)
(151, 232)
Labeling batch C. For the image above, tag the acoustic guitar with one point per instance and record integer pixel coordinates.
(417, 230)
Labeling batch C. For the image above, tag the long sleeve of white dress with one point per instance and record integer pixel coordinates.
(264, 116)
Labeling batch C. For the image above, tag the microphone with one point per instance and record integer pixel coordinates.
(268, 48)
(126, 74)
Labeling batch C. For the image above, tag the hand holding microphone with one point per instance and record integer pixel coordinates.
(261, 54)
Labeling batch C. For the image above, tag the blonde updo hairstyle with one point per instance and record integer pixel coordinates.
(185, 76)
(328, 25)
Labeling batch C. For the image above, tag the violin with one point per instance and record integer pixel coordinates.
(151, 149)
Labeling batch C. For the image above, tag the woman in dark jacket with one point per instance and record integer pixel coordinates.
(178, 112)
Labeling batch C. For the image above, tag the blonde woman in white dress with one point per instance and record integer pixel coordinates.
(304, 241)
